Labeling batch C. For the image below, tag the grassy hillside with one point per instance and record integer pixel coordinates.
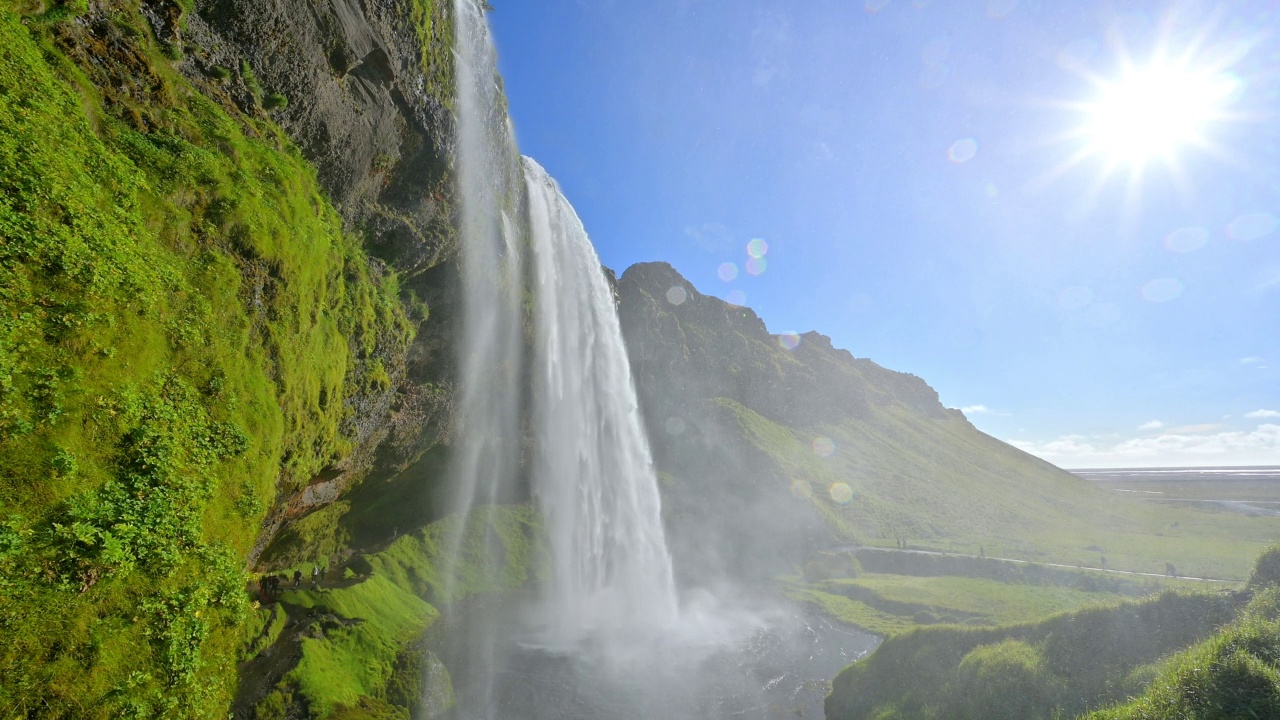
(939, 483)
(771, 450)
(184, 325)
(1058, 667)
(1235, 674)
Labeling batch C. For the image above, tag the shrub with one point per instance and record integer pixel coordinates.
(275, 101)
(1266, 571)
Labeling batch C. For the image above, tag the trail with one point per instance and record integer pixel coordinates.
(940, 553)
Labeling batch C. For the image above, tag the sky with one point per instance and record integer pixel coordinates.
(1065, 217)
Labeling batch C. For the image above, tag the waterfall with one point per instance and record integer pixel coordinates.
(486, 455)
(593, 473)
(547, 407)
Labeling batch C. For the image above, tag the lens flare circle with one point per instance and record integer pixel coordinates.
(789, 340)
(677, 295)
(1162, 290)
(727, 271)
(824, 447)
(757, 248)
(1184, 240)
(840, 493)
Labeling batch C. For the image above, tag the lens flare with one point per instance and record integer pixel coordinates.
(736, 297)
(789, 340)
(841, 493)
(674, 425)
(962, 151)
(1252, 226)
(801, 489)
(677, 295)
(727, 271)
(824, 447)
(756, 266)
(1184, 240)
(1162, 289)
(757, 247)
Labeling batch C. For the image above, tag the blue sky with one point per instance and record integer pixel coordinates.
(928, 199)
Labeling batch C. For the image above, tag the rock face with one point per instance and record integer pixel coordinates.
(703, 347)
(363, 88)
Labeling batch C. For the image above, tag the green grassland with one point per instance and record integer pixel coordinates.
(892, 604)
(182, 323)
(943, 485)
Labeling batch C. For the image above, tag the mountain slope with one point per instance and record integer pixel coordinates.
(768, 452)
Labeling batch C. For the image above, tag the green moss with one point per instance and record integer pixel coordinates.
(182, 320)
(362, 655)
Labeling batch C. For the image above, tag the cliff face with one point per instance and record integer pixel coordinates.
(203, 340)
(771, 447)
(367, 87)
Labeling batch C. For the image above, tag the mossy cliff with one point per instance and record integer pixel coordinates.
(202, 339)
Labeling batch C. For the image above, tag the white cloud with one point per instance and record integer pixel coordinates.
(1151, 425)
(975, 410)
(1259, 414)
(1192, 445)
(1251, 360)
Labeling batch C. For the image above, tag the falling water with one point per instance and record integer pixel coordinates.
(486, 456)
(593, 474)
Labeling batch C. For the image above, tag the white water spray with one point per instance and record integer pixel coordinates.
(593, 474)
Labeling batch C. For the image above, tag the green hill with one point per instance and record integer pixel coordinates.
(769, 452)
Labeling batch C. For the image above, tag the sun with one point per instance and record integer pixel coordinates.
(1154, 112)
(1163, 112)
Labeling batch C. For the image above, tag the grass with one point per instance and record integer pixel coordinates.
(1056, 667)
(364, 630)
(942, 485)
(183, 324)
(888, 604)
(1235, 674)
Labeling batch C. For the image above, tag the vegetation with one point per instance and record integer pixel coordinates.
(942, 486)
(1057, 667)
(183, 323)
(358, 649)
(892, 604)
(1235, 674)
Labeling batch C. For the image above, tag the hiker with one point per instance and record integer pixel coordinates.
(1170, 570)
(982, 551)
(297, 578)
(315, 576)
(1104, 563)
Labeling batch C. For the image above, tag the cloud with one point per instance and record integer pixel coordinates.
(1259, 414)
(1251, 360)
(975, 410)
(1192, 445)
(1151, 425)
